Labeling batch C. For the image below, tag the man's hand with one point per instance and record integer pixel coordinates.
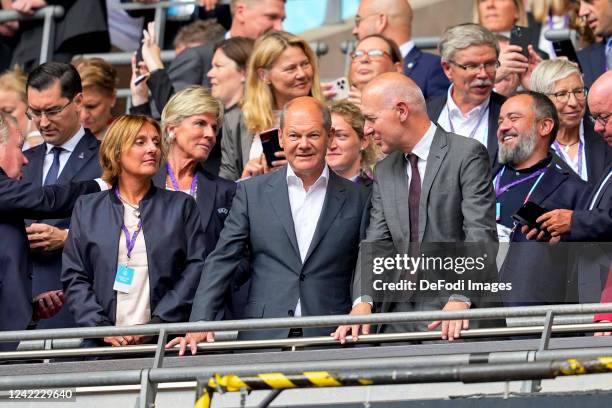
(151, 53)
(511, 61)
(359, 309)
(451, 329)
(9, 29)
(354, 96)
(140, 92)
(556, 222)
(46, 237)
(328, 89)
(191, 339)
(48, 304)
(534, 60)
(28, 6)
(277, 164)
(209, 5)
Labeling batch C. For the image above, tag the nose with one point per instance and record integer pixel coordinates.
(599, 128)
(503, 126)
(210, 74)
(299, 73)
(44, 120)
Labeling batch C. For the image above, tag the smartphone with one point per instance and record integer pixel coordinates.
(270, 144)
(141, 78)
(529, 213)
(521, 36)
(139, 54)
(565, 48)
(342, 87)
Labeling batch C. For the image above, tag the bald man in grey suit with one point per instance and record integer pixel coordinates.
(443, 177)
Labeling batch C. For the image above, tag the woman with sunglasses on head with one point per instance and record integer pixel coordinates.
(576, 142)
(134, 253)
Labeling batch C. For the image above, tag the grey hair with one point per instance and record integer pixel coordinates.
(548, 72)
(466, 35)
(324, 110)
(6, 121)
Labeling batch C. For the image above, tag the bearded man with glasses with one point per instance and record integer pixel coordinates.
(470, 108)
(70, 153)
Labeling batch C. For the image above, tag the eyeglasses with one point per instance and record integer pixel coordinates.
(490, 66)
(373, 54)
(34, 114)
(564, 96)
(602, 118)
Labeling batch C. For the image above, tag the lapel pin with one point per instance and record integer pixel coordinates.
(410, 65)
(222, 210)
(81, 155)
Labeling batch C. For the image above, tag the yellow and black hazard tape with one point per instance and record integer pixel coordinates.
(312, 379)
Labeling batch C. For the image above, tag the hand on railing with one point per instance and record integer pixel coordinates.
(363, 308)
(151, 53)
(451, 329)
(191, 339)
(139, 91)
(119, 341)
(28, 6)
(9, 29)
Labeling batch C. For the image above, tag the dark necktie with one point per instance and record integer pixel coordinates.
(54, 169)
(414, 197)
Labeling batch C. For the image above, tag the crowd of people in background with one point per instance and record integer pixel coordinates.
(242, 185)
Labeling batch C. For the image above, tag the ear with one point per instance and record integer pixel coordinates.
(263, 75)
(78, 101)
(403, 111)
(239, 9)
(545, 126)
(382, 21)
(281, 138)
(399, 68)
(447, 69)
(365, 142)
(170, 129)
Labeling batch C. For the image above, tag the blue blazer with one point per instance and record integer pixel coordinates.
(598, 153)
(19, 200)
(533, 268)
(175, 252)
(83, 164)
(435, 106)
(426, 70)
(593, 62)
(261, 220)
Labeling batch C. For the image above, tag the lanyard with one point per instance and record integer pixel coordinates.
(473, 132)
(130, 241)
(194, 182)
(499, 190)
(566, 158)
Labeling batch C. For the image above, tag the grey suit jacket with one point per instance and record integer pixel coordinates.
(235, 145)
(261, 219)
(457, 199)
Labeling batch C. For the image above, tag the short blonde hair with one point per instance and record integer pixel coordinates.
(120, 136)
(353, 116)
(99, 74)
(547, 72)
(15, 81)
(193, 100)
(520, 6)
(258, 102)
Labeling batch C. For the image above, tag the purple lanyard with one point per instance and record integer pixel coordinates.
(473, 132)
(175, 185)
(501, 190)
(130, 242)
(559, 150)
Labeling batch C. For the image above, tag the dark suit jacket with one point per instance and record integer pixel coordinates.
(261, 219)
(435, 106)
(593, 62)
(598, 153)
(426, 70)
(539, 272)
(175, 252)
(83, 164)
(19, 200)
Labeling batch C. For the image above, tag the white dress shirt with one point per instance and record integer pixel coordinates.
(405, 48)
(68, 147)
(306, 207)
(476, 121)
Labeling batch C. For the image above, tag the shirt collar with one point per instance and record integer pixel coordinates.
(539, 165)
(421, 150)
(406, 47)
(71, 144)
(454, 109)
(228, 35)
(293, 179)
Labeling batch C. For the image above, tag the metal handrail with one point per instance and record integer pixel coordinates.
(312, 321)
(303, 342)
(48, 14)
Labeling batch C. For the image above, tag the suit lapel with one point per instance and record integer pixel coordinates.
(411, 60)
(594, 152)
(437, 152)
(82, 153)
(334, 200)
(207, 191)
(494, 108)
(548, 184)
(399, 185)
(37, 160)
(278, 195)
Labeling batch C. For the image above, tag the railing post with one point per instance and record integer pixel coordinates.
(333, 14)
(48, 35)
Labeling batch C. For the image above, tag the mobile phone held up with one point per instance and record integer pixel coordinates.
(270, 144)
(521, 36)
(565, 48)
(342, 87)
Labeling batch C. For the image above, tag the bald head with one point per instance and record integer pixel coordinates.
(600, 105)
(393, 87)
(391, 18)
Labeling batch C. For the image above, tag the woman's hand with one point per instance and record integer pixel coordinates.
(151, 53)
(140, 92)
(255, 167)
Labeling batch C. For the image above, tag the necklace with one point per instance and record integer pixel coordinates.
(566, 147)
(135, 209)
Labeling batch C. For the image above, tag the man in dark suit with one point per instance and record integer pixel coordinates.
(596, 58)
(470, 107)
(393, 19)
(302, 225)
(70, 153)
(19, 200)
(433, 187)
(527, 173)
